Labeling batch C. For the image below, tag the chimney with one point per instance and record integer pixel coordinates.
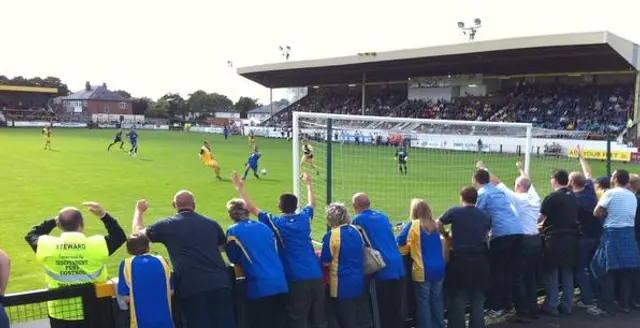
(87, 86)
(104, 85)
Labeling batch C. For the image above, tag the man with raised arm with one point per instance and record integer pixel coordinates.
(193, 241)
(306, 300)
(525, 201)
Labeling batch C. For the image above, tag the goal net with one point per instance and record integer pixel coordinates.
(358, 154)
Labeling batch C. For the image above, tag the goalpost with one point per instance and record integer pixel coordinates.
(356, 154)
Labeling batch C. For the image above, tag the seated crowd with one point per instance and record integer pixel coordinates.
(499, 244)
(588, 108)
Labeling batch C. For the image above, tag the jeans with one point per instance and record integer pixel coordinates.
(552, 289)
(429, 304)
(457, 308)
(526, 292)
(389, 295)
(209, 309)
(306, 304)
(505, 255)
(586, 248)
(621, 279)
(4, 319)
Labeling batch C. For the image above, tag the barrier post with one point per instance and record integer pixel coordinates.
(609, 137)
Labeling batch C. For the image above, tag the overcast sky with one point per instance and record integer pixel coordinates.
(152, 47)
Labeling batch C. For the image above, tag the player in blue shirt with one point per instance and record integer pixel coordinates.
(225, 131)
(146, 284)
(133, 139)
(252, 164)
(402, 156)
(301, 265)
(251, 247)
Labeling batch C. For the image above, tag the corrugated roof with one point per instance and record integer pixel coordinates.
(97, 92)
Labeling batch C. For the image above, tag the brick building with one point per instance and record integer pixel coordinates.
(97, 100)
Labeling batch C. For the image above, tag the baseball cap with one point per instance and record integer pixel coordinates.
(603, 182)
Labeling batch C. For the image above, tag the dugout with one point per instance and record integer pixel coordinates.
(469, 68)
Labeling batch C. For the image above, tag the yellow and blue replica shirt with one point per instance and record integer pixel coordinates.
(426, 252)
(343, 252)
(378, 233)
(147, 280)
(252, 246)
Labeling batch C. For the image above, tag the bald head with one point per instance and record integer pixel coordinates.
(523, 184)
(70, 220)
(184, 201)
(360, 202)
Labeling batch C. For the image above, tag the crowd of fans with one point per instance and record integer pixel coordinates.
(499, 244)
(592, 108)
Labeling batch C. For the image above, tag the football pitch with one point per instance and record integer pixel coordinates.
(35, 184)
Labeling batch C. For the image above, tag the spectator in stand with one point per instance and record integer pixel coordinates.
(526, 203)
(86, 255)
(589, 232)
(421, 239)
(559, 217)
(203, 287)
(343, 252)
(306, 301)
(378, 234)
(5, 270)
(618, 254)
(251, 247)
(505, 246)
(145, 282)
(468, 269)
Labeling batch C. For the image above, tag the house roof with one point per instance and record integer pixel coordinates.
(565, 53)
(97, 92)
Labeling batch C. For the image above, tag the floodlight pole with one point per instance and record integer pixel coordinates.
(271, 100)
(364, 91)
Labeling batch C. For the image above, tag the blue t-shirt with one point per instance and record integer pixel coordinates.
(621, 205)
(469, 228)
(426, 252)
(293, 234)
(147, 280)
(252, 246)
(253, 159)
(193, 242)
(503, 219)
(378, 233)
(588, 225)
(343, 250)
(133, 136)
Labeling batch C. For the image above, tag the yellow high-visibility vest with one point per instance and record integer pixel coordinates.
(71, 259)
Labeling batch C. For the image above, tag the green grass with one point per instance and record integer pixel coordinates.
(35, 184)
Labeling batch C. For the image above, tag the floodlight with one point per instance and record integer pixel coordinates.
(477, 21)
(461, 24)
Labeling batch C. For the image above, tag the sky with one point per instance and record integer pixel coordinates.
(150, 48)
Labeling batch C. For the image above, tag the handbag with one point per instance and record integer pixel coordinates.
(373, 261)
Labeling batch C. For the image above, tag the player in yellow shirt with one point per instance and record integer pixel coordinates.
(46, 133)
(307, 157)
(252, 140)
(209, 160)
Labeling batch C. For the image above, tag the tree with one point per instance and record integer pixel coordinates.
(124, 94)
(177, 104)
(140, 105)
(158, 109)
(200, 101)
(245, 104)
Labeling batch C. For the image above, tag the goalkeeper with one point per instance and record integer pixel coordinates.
(402, 156)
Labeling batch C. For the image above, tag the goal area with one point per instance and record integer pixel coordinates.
(358, 154)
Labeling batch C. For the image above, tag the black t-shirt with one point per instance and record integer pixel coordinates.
(588, 225)
(561, 210)
(469, 227)
(193, 242)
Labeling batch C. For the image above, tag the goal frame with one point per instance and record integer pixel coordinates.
(342, 117)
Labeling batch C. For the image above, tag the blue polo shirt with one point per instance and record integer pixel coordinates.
(193, 242)
(503, 219)
(293, 235)
(252, 246)
(378, 233)
(343, 251)
(146, 279)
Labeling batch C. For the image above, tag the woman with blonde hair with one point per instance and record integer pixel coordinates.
(421, 239)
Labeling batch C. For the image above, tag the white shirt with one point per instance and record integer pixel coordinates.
(620, 204)
(526, 206)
